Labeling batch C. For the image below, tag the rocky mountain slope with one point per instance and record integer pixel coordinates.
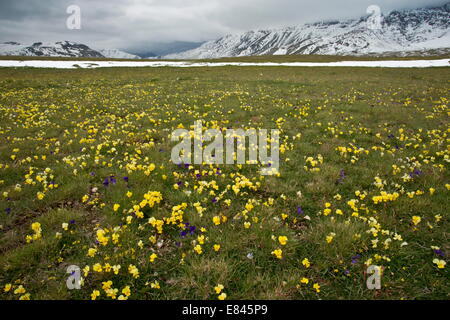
(61, 49)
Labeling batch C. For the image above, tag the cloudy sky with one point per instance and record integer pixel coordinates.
(137, 25)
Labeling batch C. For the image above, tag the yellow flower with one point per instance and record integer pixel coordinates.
(278, 253)
(198, 249)
(97, 267)
(218, 288)
(129, 194)
(330, 237)
(40, 195)
(133, 271)
(416, 220)
(283, 240)
(92, 252)
(153, 256)
(222, 296)
(216, 220)
(317, 287)
(7, 287)
(247, 225)
(95, 294)
(126, 291)
(116, 269)
(304, 280)
(101, 237)
(216, 247)
(440, 263)
(112, 293)
(432, 190)
(65, 226)
(116, 207)
(25, 297)
(36, 227)
(20, 289)
(306, 263)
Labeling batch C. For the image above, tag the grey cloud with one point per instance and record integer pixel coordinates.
(141, 24)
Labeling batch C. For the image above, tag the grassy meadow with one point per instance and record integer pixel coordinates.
(86, 179)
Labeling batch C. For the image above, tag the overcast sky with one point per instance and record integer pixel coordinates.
(143, 24)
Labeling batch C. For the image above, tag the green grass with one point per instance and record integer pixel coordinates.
(88, 125)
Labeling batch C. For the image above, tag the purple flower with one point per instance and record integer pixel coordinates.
(179, 183)
(8, 210)
(355, 259)
(125, 179)
(299, 210)
(113, 180)
(92, 174)
(72, 221)
(183, 234)
(214, 200)
(106, 182)
(439, 252)
(341, 177)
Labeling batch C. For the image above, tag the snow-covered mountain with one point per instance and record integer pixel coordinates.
(401, 31)
(117, 54)
(61, 49)
(56, 49)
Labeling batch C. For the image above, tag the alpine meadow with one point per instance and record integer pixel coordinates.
(224, 159)
(87, 180)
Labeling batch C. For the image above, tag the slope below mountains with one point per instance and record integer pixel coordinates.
(401, 31)
(117, 54)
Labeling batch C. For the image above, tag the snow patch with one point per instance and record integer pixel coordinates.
(186, 64)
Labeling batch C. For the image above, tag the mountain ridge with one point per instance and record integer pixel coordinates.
(401, 30)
